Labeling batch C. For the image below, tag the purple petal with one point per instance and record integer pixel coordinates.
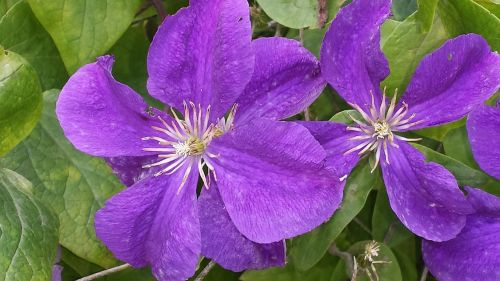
(222, 242)
(483, 202)
(334, 138)
(129, 169)
(149, 223)
(286, 80)
(202, 54)
(452, 80)
(351, 59)
(102, 117)
(475, 253)
(272, 180)
(483, 127)
(424, 196)
(56, 273)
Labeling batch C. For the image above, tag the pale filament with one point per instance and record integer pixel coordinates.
(377, 127)
(185, 142)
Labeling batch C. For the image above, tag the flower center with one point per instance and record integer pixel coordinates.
(377, 126)
(184, 141)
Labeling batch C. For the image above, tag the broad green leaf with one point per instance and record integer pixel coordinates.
(298, 13)
(401, 9)
(385, 225)
(83, 30)
(439, 132)
(5, 6)
(20, 99)
(466, 16)
(130, 60)
(78, 268)
(309, 248)
(408, 255)
(409, 42)
(492, 5)
(385, 271)
(74, 184)
(464, 174)
(456, 144)
(28, 231)
(22, 33)
(321, 271)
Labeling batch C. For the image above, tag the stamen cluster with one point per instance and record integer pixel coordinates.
(378, 126)
(186, 141)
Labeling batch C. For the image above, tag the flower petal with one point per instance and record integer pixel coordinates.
(129, 169)
(483, 127)
(286, 80)
(222, 242)
(351, 59)
(149, 223)
(483, 202)
(272, 180)
(424, 196)
(101, 116)
(452, 80)
(202, 54)
(475, 253)
(335, 139)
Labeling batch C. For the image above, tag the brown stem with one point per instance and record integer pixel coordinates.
(105, 272)
(205, 271)
(160, 9)
(322, 13)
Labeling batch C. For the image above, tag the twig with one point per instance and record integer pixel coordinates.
(307, 114)
(362, 225)
(105, 272)
(390, 232)
(160, 9)
(322, 13)
(424, 274)
(348, 258)
(301, 36)
(205, 271)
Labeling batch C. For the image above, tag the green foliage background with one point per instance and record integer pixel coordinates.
(49, 191)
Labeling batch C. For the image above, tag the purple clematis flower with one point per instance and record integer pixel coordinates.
(446, 85)
(475, 253)
(483, 127)
(265, 180)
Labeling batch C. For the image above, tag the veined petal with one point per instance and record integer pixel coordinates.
(129, 169)
(452, 81)
(149, 223)
(424, 196)
(483, 127)
(351, 59)
(101, 116)
(335, 139)
(202, 54)
(287, 79)
(475, 253)
(222, 242)
(272, 180)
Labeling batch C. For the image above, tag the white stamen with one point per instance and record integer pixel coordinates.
(377, 129)
(185, 141)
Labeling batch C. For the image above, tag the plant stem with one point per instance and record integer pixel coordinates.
(424, 274)
(205, 271)
(105, 272)
(160, 9)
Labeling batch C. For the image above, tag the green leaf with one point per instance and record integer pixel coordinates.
(28, 231)
(492, 5)
(5, 6)
(309, 248)
(409, 42)
(463, 173)
(401, 9)
(22, 33)
(130, 61)
(408, 255)
(385, 271)
(456, 143)
(466, 16)
(439, 132)
(298, 13)
(322, 271)
(20, 99)
(74, 184)
(83, 30)
(385, 225)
